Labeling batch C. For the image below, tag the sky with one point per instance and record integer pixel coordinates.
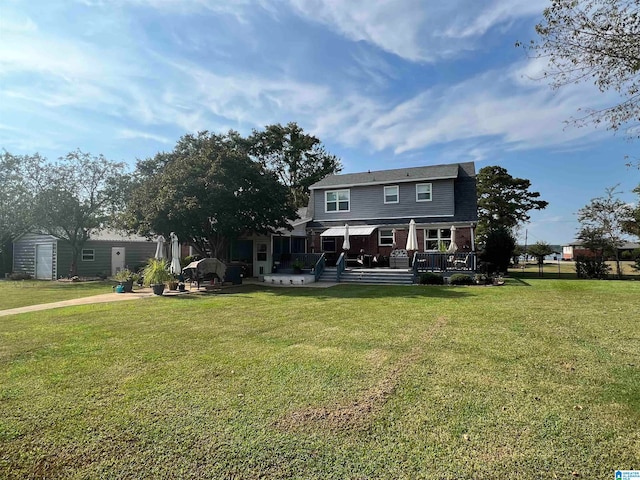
(383, 84)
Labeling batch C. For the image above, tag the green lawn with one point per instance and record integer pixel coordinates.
(14, 294)
(567, 270)
(534, 379)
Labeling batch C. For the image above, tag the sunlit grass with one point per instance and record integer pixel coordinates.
(14, 294)
(535, 379)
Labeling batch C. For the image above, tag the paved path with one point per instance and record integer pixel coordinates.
(102, 298)
(141, 293)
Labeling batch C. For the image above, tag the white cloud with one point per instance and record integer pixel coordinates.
(416, 30)
(128, 134)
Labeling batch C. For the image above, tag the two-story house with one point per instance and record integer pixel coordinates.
(378, 207)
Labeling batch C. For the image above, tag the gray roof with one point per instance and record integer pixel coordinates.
(431, 172)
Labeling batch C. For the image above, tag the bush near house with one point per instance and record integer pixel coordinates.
(429, 278)
(460, 279)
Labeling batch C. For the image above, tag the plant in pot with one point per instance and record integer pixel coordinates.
(156, 274)
(173, 282)
(125, 277)
(297, 265)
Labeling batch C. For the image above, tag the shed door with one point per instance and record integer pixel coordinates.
(44, 262)
(117, 259)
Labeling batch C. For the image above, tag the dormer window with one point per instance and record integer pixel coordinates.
(391, 194)
(337, 201)
(423, 192)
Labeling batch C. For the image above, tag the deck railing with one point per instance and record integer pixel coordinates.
(340, 266)
(285, 261)
(443, 262)
(319, 268)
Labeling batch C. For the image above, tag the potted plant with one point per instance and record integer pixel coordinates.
(156, 274)
(125, 277)
(173, 283)
(297, 265)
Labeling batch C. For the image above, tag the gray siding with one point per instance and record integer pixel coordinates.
(24, 253)
(367, 202)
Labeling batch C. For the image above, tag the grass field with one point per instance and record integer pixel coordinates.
(534, 379)
(567, 270)
(14, 294)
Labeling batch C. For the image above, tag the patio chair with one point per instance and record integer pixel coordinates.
(461, 263)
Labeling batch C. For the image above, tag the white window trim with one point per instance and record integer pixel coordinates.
(430, 192)
(440, 239)
(384, 193)
(93, 254)
(380, 244)
(337, 200)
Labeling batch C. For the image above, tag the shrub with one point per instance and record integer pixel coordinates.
(20, 276)
(460, 279)
(591, 267)
(429, 278)
(482, 279)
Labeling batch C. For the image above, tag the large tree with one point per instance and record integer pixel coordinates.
(209, 192)
(504, 201)
(66, 198)
(75, 195)
(298, 159)
(595, 41)
(602, 224)
(631, 224)
(16, 200)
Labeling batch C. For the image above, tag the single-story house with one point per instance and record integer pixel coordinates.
(577, 248)
(47, 257)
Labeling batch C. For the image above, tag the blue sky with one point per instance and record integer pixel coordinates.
(383, 84)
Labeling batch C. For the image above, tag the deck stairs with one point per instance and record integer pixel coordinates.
(379, 276)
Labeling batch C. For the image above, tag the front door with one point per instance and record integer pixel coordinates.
(44, 262)
(117, 259)
(262, 258)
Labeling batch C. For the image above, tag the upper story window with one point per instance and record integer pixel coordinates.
(88, 255)
(337, 201)
(423, 192)
(391, 194)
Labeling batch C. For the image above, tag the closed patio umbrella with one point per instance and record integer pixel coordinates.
(412, 238)
(160, 248)
(175, 266)
(453, 247)
(346, 245)
(393, 242)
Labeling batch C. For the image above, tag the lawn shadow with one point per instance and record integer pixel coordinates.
(360, 291)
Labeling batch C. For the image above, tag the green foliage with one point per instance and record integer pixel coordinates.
(19, 276)
(66, 198)
(429, 278)
(602, 225)
(592, 267)
(594, 41)
(631, 223)
(208, 191)
(156, 272)
(461, 279)
(498, 249)
(540, 250)
(298, 159)
(503, 201)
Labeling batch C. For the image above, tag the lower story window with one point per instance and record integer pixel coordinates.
(328, 244)
(437, 238)
(88, 254)
(385, 237)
